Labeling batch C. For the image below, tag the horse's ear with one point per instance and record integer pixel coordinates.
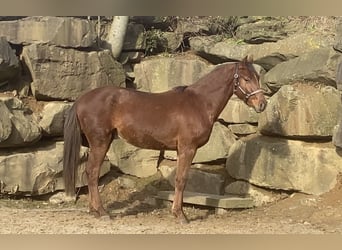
(247, 59)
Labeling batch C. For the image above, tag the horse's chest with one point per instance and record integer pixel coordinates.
(201, 137)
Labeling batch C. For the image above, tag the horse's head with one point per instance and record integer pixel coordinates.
(246, 85)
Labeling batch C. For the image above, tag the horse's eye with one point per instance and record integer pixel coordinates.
(247, 79)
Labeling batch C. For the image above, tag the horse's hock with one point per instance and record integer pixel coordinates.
(298, 71)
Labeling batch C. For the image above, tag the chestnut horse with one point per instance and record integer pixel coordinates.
(180, 119)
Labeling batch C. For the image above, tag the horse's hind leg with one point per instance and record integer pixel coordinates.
(185, 157)
(98, 150)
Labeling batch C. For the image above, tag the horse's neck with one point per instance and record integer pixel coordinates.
(214, 90)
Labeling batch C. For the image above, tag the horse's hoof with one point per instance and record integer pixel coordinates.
(184, 221)
(99, 215)
(105, 217)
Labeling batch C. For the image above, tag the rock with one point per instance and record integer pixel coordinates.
(217, 147)
(339, 75)
(60, 31)
(276, 163)
(53, 115)
(5, 122)
(134, 39)
(318, 65)
(61, 197)
(338, 37)
(133, 160)
(243, 20)
(9, 63)
(154, 22)
(192, 26)
(243, 129)
(268, 55)
(264, 30)
(64, 74)
(128, 58)
(126, 182)
(174, 40)
(159, 74)
(38, 170)
(198, 181)
(260, 196)
(302, 111)
(163, 41)
(236, 111)
(19, 126)
(337, 134)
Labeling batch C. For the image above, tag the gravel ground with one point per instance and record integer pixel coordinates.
(71, 221)
(132, 212)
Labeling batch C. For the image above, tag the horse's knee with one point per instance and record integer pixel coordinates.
(180, 183)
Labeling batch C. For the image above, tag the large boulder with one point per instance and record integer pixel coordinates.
(268, 55)
(198, 180)
(159, 74)
(216, 148)
(64, 74)
(243, 129)
(134, 38)
(339, 75)
(38, 170)
(318, 65)
(192, 26)
(277, 163)
(52, 118)
(133, 160)
(59, 31)
(19, 126)
(9, 63)
(337, 134)
(5, 124)
(261, 31)
(243, 188)
(236, 111)
(302, 111)
(338, 38)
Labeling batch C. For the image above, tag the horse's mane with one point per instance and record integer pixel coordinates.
(179, 88)
(206, 77)
(251, 68)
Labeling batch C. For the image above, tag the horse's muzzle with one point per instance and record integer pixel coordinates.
(261, 107)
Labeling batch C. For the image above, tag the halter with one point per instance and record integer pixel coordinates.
(237, 86)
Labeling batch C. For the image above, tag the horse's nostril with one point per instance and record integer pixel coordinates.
(262, 106)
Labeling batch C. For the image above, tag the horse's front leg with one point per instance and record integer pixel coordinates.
(184, 160)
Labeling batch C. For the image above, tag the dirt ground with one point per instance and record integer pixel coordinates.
(133, 211)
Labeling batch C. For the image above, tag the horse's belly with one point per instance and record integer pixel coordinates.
(148, 141)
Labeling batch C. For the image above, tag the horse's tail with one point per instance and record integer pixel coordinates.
(71, 152)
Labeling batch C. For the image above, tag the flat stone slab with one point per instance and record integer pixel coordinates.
(211, 200)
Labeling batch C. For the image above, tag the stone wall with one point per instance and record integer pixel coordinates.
(47, 62)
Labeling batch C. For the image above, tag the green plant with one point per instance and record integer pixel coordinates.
(155, 42)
